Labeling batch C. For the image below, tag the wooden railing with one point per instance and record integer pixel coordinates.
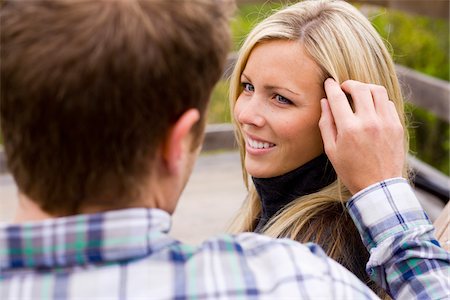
(426, 92)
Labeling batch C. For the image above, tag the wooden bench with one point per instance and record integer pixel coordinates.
(442, 225)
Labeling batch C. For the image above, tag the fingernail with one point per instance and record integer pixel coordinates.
(329, 80)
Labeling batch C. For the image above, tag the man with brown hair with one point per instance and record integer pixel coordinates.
(102, 111)
(104, 82)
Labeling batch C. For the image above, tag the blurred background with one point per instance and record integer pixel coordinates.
(417, 34)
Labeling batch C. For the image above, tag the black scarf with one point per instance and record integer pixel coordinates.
(276, 192)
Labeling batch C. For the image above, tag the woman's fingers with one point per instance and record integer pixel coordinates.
(380, 99)
(366, 146)
(339, 106)
(327, 127)
(362, 97)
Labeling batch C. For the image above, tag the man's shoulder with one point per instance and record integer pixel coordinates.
(257, 248)
(250, 241)
(275, 266)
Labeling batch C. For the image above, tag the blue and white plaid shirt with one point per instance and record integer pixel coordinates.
(127, 254)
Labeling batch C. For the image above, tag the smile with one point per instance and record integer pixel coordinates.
(255, 144)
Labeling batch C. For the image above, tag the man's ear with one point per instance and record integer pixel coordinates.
(174, 146)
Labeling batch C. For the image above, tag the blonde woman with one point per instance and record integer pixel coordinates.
(276, 88)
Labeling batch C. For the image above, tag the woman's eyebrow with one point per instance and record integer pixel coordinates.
(274, 87)
(245, 77)
(269, 87)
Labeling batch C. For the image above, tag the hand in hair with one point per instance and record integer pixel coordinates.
(365, 145)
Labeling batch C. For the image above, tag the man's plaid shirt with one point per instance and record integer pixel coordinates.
(127, 254)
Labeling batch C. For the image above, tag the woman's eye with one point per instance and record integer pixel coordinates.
(282, 99)
(248, 87)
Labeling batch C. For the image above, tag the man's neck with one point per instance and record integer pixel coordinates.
(159, 195)
(28, 211)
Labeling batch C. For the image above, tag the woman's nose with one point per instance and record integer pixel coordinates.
(248, 110)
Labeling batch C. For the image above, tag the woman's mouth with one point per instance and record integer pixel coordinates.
(257, 145)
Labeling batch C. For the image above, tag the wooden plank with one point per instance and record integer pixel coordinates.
(219, 137)
(425, 91)
(3, 164)
(429, 179)
(442, 225)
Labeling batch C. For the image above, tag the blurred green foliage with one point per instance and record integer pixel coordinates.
(420, 43)
(219, 109)
(430, 138)
(247, 17)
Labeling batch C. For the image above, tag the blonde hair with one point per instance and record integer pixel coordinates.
(344, 44)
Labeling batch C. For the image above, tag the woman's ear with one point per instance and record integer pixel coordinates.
(178, 141)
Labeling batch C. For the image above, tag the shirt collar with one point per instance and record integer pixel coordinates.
(277, 192)
(76, 240)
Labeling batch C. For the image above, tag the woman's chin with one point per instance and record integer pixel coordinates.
(258, 172)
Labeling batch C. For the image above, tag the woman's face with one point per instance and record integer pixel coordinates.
(279, 109)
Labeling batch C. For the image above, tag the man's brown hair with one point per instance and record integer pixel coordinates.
(89, 89)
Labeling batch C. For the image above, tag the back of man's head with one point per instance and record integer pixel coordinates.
(89, 88)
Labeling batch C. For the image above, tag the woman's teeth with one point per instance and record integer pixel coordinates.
(259, 145)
